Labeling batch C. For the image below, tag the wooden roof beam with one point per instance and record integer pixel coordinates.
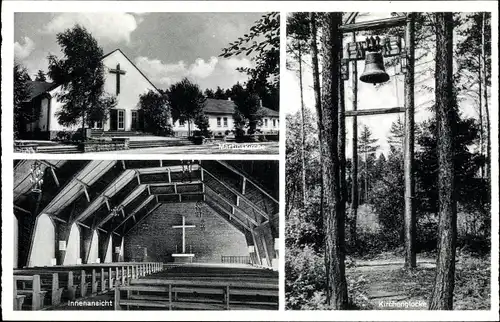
(237, 193)
(252, 220)
(247, 179)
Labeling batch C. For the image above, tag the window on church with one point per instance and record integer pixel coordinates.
(98, 125)
(274, 123)
(265, 122)
(182, 123)
(225, 122)
(218, 122)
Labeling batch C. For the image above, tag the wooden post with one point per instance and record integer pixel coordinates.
(354, 162)
(117, 299)
(37, 300)
(83, 288)
(227, 298)
(170, 297)
(410, 253)
(110, 277)
(103, 281)
(94, 284)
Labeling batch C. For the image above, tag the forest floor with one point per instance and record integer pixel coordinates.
(382, 283)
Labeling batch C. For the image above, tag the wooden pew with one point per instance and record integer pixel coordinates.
(18, 299)
(33, 293)
(221, 295)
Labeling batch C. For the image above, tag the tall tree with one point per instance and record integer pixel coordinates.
(22, 89)
(209, 93)
(262, 45)
(333, 217)
(156, 113)
(367, 147)
(316, 86)
(248, 112)
(473, 56)
(81, 75)
(40, 76)
(444, 283)
(298, 32)
(186, 101)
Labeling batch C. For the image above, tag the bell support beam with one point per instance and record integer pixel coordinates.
(374, 24)
(375, 111)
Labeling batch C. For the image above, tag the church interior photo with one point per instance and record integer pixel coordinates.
(146, 234)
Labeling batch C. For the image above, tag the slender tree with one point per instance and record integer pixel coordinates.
(367, 147)
(298, 32)
(442, 293)
(186, 102)
(156, 113)
(81, 75)
(333, 217)
(22, 89)
(40, 76)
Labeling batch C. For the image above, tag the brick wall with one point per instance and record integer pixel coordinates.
(156, 234)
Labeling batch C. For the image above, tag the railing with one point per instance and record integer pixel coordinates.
(236, 259)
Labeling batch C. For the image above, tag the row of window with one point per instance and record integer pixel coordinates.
(223, 120)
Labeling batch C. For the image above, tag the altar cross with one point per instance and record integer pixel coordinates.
(118, 72)
(183, 227)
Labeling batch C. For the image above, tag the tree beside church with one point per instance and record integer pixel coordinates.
(81, 76)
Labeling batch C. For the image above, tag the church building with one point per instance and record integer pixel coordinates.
(127, 82)
(164, 234)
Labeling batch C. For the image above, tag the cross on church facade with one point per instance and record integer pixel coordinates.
(118, 72)
(183, 227)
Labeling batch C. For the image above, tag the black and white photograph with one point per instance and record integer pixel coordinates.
(91, 82)
(146, 234)
(388, 161)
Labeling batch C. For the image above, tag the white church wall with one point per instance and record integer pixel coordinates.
(109, 252)
(132, 85)
(73, 247)
(94, 248)
(56, 106)
(43, 249)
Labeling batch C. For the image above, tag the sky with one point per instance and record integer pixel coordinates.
(390, 94)
(165, 46)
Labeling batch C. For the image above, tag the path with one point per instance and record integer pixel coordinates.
(385, 284)
(223, 148)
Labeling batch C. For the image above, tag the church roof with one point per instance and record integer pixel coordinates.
(38, 88)
(218, 106)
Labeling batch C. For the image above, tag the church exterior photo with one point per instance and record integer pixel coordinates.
(128, 83)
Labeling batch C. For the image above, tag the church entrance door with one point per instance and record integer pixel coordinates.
(113, 118)
(134, 126)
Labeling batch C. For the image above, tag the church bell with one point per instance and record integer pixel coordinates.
(374, 72)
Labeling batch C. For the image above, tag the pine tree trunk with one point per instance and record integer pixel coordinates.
(485, 93)
(481, 133)
(303, 143)
(442, 293)
(317, 91)
(333, 217)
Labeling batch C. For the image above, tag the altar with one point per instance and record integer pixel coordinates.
(183, 257)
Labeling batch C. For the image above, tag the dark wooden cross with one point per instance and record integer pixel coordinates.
(118, 72)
